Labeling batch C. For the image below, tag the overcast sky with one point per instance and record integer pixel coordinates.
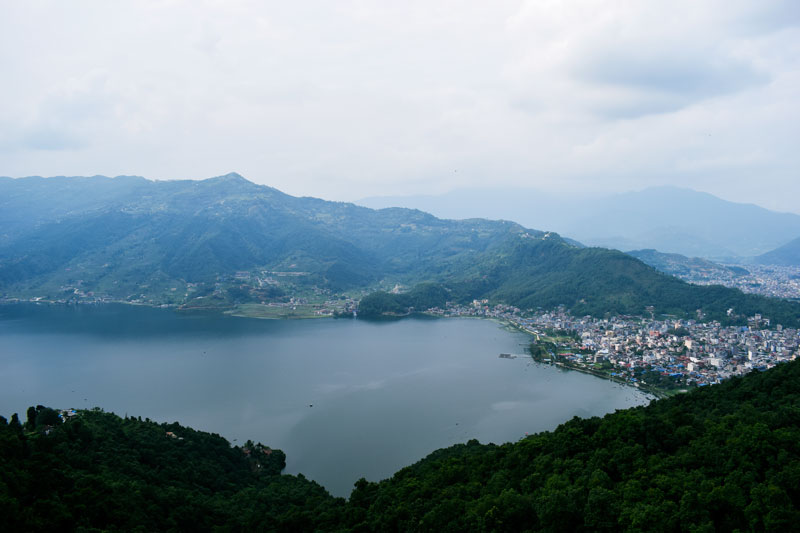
(348, 99)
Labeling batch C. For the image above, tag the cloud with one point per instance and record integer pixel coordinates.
(350, 99)
(631, 59)
(768, 16)
(51, 139)
(628, 84)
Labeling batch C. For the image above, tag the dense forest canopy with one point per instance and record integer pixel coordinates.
(720, 458)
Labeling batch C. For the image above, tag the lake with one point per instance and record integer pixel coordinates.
(343, 398)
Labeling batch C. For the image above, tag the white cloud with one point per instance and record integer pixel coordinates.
(355, 98)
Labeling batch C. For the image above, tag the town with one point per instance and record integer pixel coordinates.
(662, 356)
(767, 280)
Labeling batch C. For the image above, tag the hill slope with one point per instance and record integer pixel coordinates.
(547, 272)
(721, 458)
(98, 470)
(685, 267)
(226, 239)
(718, 459)
(669, 219)
(786, 255)
(111, 236)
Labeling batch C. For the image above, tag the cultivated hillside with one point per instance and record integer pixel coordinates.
(226, 240)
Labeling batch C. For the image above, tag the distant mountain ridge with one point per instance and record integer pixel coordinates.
(111, 234)
(786, 255)
(669, 219)
(219, 241)
(684, 267)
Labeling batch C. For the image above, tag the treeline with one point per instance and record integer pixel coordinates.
(97, 471)
(421, 298)
(534, 274)
(720, 458)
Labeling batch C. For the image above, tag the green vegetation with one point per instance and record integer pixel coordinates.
(211, 243)
(421, 298)
(225, 242)
(282, 312)
(100, 471)
(719, 458)
(682, 266)
(716, 459)
(532, 273)
(678, 332)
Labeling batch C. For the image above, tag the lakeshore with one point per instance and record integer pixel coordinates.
(303, 311)
(665, 355)
(342, 398)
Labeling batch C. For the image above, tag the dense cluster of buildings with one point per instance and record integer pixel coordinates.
(766, 280)
(670, 353)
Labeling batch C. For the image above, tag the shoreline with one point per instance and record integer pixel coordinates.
(234, 311)
(230, 310)
(653, 391)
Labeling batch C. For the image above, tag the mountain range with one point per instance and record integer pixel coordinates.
(114, 234)
(669, 219)
(178, 242)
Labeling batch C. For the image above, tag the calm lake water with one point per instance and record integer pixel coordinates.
(343, 398)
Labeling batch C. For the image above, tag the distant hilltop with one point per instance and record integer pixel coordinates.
(217, 243)
(668, 219)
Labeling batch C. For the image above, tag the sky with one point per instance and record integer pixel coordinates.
(347, 99)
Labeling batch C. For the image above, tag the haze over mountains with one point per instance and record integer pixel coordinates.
(113, 233)
(667, 219)
(685, 267)
(786, 255)
(178, 242)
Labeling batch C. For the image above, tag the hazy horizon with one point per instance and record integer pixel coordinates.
(410, 199)
(354, 100)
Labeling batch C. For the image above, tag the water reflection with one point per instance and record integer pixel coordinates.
(343, 398)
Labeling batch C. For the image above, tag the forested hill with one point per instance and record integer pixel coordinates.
(227, 240)
(721, 458)
(547, 272)
(97, 471)
(125, 237)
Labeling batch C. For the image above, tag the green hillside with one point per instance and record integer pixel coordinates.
(786, 255)
(722, 458)
(682, 266)
(124, 233)
(225, 240)
(98, 471)
(547, 272)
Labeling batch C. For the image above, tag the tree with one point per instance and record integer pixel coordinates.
(31, 423)
(46, 417)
